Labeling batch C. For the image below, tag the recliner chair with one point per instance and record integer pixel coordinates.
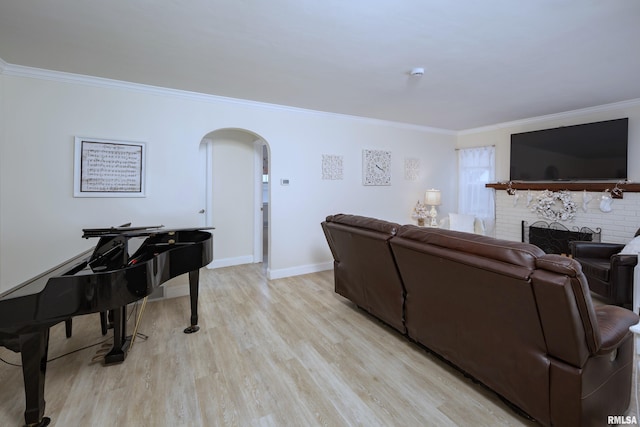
(609, 273)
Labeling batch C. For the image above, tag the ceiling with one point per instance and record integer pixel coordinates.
(486, 62)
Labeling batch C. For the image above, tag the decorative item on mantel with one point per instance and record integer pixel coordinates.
(608, 195)
(547, 201)
(623, 186)
(616, 192)
(586, 198)
(605, 202)
(529, 198)
(514, 192)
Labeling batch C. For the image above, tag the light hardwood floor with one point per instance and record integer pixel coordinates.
(287, 352)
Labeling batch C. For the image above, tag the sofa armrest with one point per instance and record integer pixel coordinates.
(581, 249)
(624, 260)
(613, 323)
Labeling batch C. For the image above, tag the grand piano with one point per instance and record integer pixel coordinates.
(103, 279)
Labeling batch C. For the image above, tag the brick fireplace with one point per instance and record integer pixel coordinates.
(554, 238)
(618, 226)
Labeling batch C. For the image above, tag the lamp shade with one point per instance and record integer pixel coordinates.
(432, 197)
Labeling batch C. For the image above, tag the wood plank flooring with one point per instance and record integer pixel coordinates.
(287, 352)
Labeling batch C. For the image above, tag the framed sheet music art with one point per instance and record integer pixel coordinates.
(106, 168)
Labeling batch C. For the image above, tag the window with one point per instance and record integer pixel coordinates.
(476, 167)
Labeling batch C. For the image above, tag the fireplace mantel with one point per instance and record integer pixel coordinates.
(570, 186)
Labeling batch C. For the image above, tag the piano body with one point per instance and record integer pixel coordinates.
(106, 278)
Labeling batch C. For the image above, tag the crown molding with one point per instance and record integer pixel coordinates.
(631, 103)
(64, 77)
(60, 76)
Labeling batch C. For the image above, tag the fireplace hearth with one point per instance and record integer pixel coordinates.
(554, 238)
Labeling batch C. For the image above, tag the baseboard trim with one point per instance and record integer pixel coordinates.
(297, 271)
(229, 262)
(176, 291)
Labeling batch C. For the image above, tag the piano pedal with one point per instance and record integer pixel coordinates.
(142, 336)
(98, 358)
(45, 421)
(101, 353)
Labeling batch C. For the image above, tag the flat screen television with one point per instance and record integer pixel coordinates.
(592, 151)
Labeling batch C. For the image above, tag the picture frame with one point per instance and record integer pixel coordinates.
(109, 168)
(332, 167)
(376, 167)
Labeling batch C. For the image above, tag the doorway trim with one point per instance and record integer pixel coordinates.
(258, 249)
(258, 220)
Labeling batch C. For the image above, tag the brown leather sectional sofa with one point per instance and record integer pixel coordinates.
(518, 320)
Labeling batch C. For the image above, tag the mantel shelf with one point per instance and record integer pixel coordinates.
(570, 186)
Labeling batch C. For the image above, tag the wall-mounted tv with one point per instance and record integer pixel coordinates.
(592, 151)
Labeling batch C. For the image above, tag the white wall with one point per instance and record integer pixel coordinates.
(41, 221)
(619, 225)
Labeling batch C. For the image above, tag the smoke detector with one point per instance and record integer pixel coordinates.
(417, 72)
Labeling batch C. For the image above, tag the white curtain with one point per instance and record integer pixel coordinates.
(476, 167)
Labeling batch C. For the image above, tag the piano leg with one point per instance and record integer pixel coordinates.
(34, 348)
(120, 340)
(194, 279)
(68, 327)
(103, 322)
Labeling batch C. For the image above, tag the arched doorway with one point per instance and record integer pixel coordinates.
(237, 196)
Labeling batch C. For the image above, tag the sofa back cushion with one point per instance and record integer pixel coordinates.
(566, 310)
(515, 253)
(364, 268)
(365, 223)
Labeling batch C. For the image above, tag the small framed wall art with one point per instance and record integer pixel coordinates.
(411, 169)
(332, 166)
(376, 167)
(107, 168)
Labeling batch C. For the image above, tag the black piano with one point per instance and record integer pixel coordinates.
(104, 279)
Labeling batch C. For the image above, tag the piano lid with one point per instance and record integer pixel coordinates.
(79, 264)
(123, 229)
(38, 283)
(136, 231)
